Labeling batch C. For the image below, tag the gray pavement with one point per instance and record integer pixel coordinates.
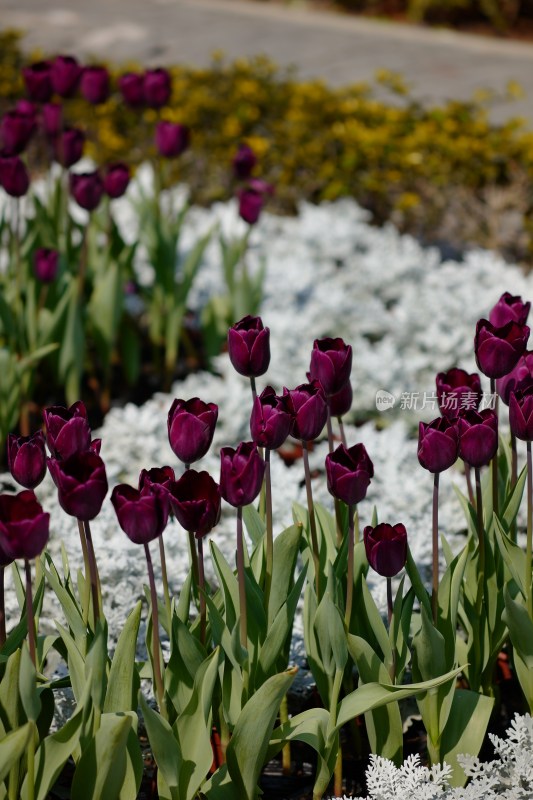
(437, 64)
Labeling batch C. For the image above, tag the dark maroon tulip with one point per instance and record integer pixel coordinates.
(386, 548)
(521, 414)
(26, 107)
(171, 139)
(309, 410)
(142, 514)
(438, 444)
(331, 363)
(16, 130)
(349, 471)
(52, 120)
(270, 422)
(498, 350)
(195, 500)
(45, 264)
(252, 199)
(341, 402)
(457, 391)
(26, 459)
(87, 189)
(14, 177)
(191, 425)
(509, 308)
(94, 84)
(65, 74)
(478, 436)
(244, 161)
(157, 87)
(24, 526)
(116, 180)
(67, 430)
(241, 474)
(5, 560)
(163, 476)
(68, 146)
(249, 346)
(131, 86)
(519, 379)
(38, 81)
(81, 483)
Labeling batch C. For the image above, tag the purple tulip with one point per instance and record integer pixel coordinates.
(81, 483)
(142, 514)
(5, 560)
(131, 86)
(45, 264)
(519, 379)
(521, 414)
(386, 548)
(65, 75)
(509, 308)
(87, 189)
(68, 146)
(341, 402)
(478, 436)
(191, 425)
(163, 476)
(270, 422)
(52, 120)
(38, 81)
(156, 87)
(26, 459)
(16, 130)
(26, 107)
(349, 471)
(14, 178)
(331, 364)
(67, 430)
(438, 444)
(171, 139)
(24, 526)
(116, 180)
(458, 391)
(249, 346)
(252, 199)
(241, 474)
(498, 350)
(195, 500)
(243, 162)
(94, 84)
(309, 410)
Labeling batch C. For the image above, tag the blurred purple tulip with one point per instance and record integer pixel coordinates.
(457, 391)
(68, 146)
(309, 410)
(116, 180)
(252, 199)
(171, 139)
(81, 483)
(94, 84)
(509, 308)
(438, 444)
(498, 350)
(243, 162)
(67, 430)
(87, 189)
(157, 87)
(163, 476)
(24, 526)
(519, 379)
(341, 402)
(45, 264)
(478, 436)
(16, 130)
(65, 75)
(331, 363)
(38, 81)
(14, 177)
(26, 459)
(131, 86)
(521, 414)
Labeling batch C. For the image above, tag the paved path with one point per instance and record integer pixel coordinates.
(438, 64)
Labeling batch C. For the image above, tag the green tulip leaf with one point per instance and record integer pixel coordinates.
(286, 548)
(465, 730)
(102, 768)
(165, 748)
(123, 681)
(29, 695)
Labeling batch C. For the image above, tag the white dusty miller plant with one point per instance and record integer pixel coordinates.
(509, 776)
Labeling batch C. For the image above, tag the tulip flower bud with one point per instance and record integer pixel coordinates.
(45, 264)
(87, 189)
(498, 350)
(116, 180)
(309, 410)
(52, 120)
(65, 75)
(249, 346)
(24, 527)
(195, 500)
(478, 436)
(341, 402)
(157, 87)
(458, 391)
(519, 379)
(270, 422)
(68, 146)
(171, 139)
(331, 364)
(94, 84)
(14, 178)
(191, 425)
(386, 548)
(509, 308)
(349, 471)
(16, 130)
(38, 81)
(163, 476)
(26, 459)
(142, 514)
(252, 199)
(438, 444)
(244, 161)
(67, 430)
(521, 414)
(241, 474)
(81, 483)
(131, 86)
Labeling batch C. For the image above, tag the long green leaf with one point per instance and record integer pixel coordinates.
(122, 686)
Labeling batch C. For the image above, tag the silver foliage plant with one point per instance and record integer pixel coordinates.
(509, 776)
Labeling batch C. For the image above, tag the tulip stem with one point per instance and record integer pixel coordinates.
(389, 600)
(164, 579)
(349, 573)
(2, 608)
(93, 571)
(201, 586)
(529, 541)
(494, 462)
(87, 586)
(269, 530)
(158, 675)
(514, 476)
(435, 542)
(253, 387)
(194, 559)
(329, 429)
(312, 521)
(342, 432)
(242, 585)
(286, 752)
(29, 613)
(481, 540)
(468, 476)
